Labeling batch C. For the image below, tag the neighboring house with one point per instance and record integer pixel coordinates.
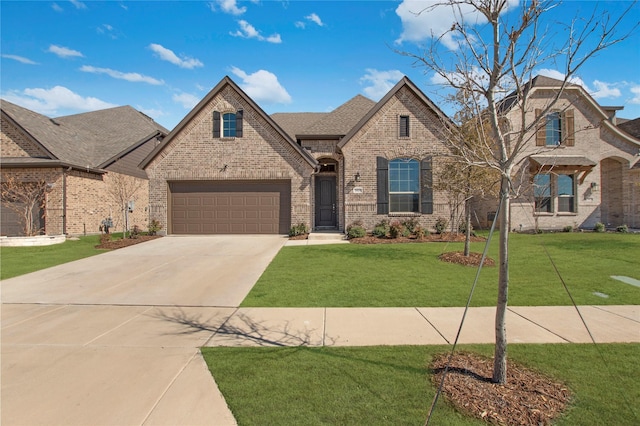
(79, 157)
(228, 167)
(577, 169)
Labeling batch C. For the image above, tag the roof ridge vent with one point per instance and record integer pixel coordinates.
(54, 121)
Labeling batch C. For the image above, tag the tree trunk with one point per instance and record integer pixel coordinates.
(467, 236)
(500, 355)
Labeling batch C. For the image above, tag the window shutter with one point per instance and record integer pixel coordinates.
(541, 133)
(568, 130)
(426, 186)
(382, 170)
(216, 124)
(239, 115)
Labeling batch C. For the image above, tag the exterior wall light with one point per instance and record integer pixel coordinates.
(357, 176)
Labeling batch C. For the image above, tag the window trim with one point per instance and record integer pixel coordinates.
(219, 121)
(555, 197)
(404, 129)
(395, 194)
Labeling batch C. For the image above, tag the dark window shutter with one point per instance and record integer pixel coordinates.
(216, 124)
(382, 169)
(239, 114)
(568, 128)
(426, 186)
(541, 133)
(404, 126)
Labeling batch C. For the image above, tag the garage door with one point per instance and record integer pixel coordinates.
(246, 207)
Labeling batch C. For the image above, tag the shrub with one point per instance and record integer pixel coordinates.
(381, 229)
(397, 229)
(135, 232)
(299, 229)
(599, 227)
(567, 228)
(356, 230)
(154, 227)
(105, 238)
(441, 225)
(462, 228)
(410, 225)
(622, 228)
(420, 232)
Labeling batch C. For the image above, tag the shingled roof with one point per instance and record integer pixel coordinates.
(632, 127)
(336, 123)
(87, 139)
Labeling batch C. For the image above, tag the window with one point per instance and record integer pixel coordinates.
(404, 126)
(542, 193)
(404, 185)
(566, 193)
(553, 129)
(228, 124)
(548, 188)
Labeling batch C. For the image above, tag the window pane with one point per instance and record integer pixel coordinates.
(542, 193)
(404, 185)
(566, 194)
(553, 129)
(229, 125)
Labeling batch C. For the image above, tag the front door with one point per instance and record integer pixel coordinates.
(326, 208)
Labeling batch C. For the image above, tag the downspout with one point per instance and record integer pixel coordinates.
(64, 202)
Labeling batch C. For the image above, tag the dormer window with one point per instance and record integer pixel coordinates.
(227, 124)
(553, 130)
(556, 129)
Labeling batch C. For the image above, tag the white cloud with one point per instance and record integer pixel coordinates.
(129, 76)
(262, 86)
(300, 24)
(187, 100)
(51, 101)
(604, 90)
(419, 24)
(599, 90)
(380, 82)
(107, 30)
(248, 31)
(315, 18)
(64, 52)
(560, 76)
(78, 4)
(56, 7)
(636, 95)
(227, 6)
(168, 55)
(20, 59)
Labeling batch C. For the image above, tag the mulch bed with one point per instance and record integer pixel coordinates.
(528, 397)
(445, 237)
(472, 260)
(126, 242)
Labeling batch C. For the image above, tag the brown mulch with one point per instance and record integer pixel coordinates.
(442, 238)
(126, 242)
(472, 260)
(528, 397)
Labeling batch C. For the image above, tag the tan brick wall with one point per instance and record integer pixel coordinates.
(379, 137)
(261, 154)
(15, 143)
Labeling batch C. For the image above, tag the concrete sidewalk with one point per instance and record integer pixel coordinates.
(424, 326)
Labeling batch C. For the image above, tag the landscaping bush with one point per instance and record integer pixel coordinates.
(299, 229)
(105, 238)
(356, 230)
(441, 225)
(599, 227)
(567, 228)
(135, 232)
(381, 229)
(410, 225)
(397, 229)
(623, 229)
(462, 228)
(420, 232)
(154, 227)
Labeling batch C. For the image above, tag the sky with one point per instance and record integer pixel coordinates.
(162, 57)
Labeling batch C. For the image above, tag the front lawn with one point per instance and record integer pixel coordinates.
(16, 261)
(391, 384)
(410, 274)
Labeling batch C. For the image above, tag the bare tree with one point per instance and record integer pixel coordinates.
(122, 189)
(26, 199)
(494, 65)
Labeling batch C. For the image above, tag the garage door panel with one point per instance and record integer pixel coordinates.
(230, 207)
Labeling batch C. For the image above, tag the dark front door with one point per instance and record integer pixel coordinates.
(326, 201)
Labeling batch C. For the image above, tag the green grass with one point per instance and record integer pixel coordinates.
(16, 261)
(391, 384)
(411, 274)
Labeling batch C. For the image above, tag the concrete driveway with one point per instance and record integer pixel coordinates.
(113, 339)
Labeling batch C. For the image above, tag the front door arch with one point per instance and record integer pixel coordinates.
(611, 205)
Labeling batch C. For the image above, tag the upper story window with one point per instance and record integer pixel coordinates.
(228, 124)
(404, 126)
(553, 129)
(556, 129)
(404, 185)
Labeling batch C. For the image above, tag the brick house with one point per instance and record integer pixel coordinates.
(579, 168)
(79, 157)
(228, 167)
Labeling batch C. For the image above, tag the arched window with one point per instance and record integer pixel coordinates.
(404, 185)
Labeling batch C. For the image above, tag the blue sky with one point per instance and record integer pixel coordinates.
(65, 57)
